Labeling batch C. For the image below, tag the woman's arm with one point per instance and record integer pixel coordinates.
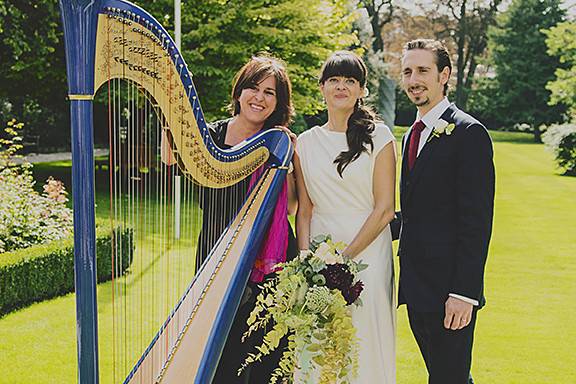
(384, 200)
(166, 154)
(304, 213)
(292, 192)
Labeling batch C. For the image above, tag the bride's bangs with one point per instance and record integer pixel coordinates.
(345, 64)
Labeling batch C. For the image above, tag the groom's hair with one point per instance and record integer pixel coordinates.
(437, 48)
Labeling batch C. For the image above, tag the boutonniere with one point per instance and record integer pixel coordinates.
(442, 127)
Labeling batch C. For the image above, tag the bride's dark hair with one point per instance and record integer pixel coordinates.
(361, 122)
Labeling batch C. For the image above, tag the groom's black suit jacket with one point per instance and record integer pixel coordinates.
(447, 203)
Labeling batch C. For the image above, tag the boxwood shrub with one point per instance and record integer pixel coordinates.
(45, 271)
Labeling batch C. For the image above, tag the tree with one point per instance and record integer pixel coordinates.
(220, 36)
(466, 23)
(561, 42)
(523, 67)
(461, 24)
(32, 68)
(471, 39)
(380, 13)
(375, 15)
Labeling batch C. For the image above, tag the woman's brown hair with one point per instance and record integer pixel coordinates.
(255, 71)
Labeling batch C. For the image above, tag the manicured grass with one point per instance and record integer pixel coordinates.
(524, 335)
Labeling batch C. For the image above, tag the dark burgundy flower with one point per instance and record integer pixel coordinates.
(351, 294)
(338, 276)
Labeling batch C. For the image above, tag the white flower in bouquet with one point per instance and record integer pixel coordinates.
(327, 253)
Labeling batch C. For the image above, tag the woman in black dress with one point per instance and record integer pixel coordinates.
(261, 99)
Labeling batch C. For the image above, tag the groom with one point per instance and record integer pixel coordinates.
(447, 200)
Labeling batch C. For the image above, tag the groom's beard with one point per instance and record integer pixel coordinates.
(421, 103)
(418, 101)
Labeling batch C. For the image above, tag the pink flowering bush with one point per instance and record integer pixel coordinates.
(26, 216)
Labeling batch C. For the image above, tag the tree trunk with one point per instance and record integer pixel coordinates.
(460, 64)
(378, 43)
(537, 134)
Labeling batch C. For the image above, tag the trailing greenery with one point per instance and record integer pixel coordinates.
(45, 271)
(531, 261)
(561, 139)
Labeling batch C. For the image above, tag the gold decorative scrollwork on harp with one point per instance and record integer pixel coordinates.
(128, 50)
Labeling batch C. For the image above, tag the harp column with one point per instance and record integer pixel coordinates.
(79, 18)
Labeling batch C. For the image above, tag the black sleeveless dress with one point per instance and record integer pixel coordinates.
(219, 207)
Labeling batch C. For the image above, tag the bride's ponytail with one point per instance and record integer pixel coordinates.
(359, 135)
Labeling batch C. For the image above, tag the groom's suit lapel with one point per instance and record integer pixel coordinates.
(410, 178)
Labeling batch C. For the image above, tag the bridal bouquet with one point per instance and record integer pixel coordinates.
(309, 301)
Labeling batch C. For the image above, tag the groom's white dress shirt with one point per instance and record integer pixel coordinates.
(431, 119)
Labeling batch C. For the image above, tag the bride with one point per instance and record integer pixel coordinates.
(345, 176)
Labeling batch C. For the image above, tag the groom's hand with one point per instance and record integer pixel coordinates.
(458, 313)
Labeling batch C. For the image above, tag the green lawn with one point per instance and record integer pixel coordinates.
(524, 334)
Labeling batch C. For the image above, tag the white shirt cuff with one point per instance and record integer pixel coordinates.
(464, 298)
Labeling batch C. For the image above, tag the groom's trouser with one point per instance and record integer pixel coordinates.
(447, 353)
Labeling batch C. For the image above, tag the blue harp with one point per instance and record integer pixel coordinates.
(120, 49)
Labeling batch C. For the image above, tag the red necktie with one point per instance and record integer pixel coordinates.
(417, 129)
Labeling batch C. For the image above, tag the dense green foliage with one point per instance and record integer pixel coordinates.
(561, 42)
(45, 271)
(523, 67)
(32, 69)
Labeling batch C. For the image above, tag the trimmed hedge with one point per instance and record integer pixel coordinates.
(45, 271)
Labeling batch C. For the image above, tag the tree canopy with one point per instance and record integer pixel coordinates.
(561, 43)
(523, 66)
(32, 67)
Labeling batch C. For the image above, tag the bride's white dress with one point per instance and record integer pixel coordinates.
(341, 206)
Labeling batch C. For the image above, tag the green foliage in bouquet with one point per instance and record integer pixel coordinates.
(27, 217)
(308, 301)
